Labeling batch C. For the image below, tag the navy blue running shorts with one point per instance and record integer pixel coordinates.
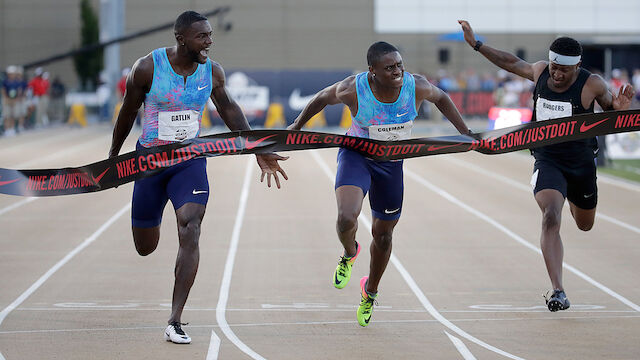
(382, 179)
(576, 181)
(182, 183)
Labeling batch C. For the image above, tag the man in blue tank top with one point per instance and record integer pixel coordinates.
(174, 84)
(565, 170)
(383, 103)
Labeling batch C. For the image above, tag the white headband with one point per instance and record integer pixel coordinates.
(563, 59)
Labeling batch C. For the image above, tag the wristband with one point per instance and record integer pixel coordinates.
(476, 47)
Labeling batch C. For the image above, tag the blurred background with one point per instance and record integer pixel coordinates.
(66, 60)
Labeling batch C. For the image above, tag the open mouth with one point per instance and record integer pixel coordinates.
(204, 52)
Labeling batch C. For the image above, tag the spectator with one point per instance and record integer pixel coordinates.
(13, 107)
(57, 109)
(39, 86)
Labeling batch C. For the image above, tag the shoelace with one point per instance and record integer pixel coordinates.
(343, 262)
(178, 327)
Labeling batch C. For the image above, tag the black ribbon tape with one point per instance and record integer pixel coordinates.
(134, 165)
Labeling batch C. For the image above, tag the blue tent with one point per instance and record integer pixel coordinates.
(456, 36)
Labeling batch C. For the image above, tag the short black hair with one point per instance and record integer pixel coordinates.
(566, 46)
(185, 20)
(377, 50)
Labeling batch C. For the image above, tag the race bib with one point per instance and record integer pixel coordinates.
(178, 125)
(547, 109)
(391, 132)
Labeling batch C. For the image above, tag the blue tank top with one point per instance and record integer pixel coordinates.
(372, 112)
(170, 95)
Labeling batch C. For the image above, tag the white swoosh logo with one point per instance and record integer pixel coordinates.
(391, 211)
(204, 87)
(297, 102)
(403, 114)
(196, 192)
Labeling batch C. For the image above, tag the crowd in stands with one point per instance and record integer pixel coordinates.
(30, 102)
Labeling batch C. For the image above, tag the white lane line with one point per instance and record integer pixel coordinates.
(517, 185)
(17, 205)
(625, 184)
(552, 319)
(412, 284)
(60, 264)
(228, 267)
(214, 347)
(515, 236)
(462, 349)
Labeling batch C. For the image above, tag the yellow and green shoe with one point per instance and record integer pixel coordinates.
(343, 271)
(366, 303)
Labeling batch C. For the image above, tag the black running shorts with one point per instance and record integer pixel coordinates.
(576, 181)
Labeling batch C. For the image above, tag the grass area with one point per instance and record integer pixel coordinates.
(626, 169)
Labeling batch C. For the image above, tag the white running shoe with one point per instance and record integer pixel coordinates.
(174, 333)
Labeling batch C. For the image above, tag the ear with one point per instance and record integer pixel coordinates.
(371, 70)
(180, 39)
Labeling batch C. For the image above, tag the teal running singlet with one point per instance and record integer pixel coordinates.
(173, 109)
(384, 121)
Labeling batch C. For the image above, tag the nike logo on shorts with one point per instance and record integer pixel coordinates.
(391, 211)
(196, 192)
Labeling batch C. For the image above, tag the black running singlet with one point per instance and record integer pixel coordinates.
(549, 104)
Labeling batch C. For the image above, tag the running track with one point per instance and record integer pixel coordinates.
(464, 282)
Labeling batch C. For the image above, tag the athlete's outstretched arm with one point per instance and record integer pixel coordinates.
(503, 59)
(234, 118)
(138, 84)
(340, 92)
(606, 98)
(427, 91)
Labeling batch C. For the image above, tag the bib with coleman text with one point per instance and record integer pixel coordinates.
(391, 132)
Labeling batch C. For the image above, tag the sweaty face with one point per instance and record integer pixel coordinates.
(562, 75)
(389, 69)
(198, 40)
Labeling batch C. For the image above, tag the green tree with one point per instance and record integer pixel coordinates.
(88, 64)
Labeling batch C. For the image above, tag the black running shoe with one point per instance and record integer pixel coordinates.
(556, 300)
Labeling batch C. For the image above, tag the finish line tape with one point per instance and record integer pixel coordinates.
(134, 165)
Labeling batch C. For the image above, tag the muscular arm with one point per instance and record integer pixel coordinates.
(138, 84)
(341, 92)
(228, 109)
(426, 91)
(596, 88)
(503, 59)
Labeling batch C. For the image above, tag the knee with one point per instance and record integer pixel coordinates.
(585, 226)
(551, 219)
(346, 222)
(189, 233)
(382, 239)
(145, 249)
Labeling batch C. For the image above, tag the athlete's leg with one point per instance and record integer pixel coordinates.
(146, 239)
(189, 218)
(550, 202)
(584, 217)
(349, 199)
(380, 249)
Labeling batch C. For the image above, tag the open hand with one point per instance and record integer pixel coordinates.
(269, 165)
(624, 97)
(469, 37)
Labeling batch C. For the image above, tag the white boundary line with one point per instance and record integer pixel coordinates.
(516, 237)
(414, 287)
(17, 205)
(214, 347)
(513, 183)
(462, 349)
(60, 264)
(228, 268)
